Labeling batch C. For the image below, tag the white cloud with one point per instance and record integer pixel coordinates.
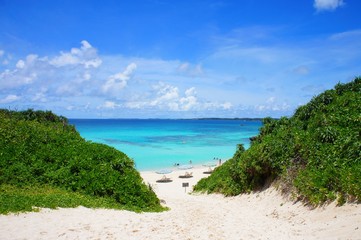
(64, 75)
(165, 93)
(40, 96)
(29, 61)
(16, 78)
(20, 64)
(86, 55)
(23, 74)
(190, 100)
(9, 99)
(65, 59)
(85, 45)
(272, 105)
(168, 98)
(165, 97)
(2, 53)
(109, 105)
(187, 103)
(169, 89)
(117, 82)
(327, 5)
(190, 91)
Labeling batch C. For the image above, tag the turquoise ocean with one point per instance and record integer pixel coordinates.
(160, 143)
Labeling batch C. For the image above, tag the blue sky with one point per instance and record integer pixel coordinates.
(175, 59)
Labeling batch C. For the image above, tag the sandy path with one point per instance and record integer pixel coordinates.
(264, 215)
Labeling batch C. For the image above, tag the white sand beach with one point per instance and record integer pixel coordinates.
(263, 215)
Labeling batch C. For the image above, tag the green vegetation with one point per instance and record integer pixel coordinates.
(31, 198)
(45, 163)
(315, 155)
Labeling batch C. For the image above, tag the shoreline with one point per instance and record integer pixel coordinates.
(194, 164)
(192, 216)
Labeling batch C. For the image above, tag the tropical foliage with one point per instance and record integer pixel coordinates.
(39, 149)
(315, 155)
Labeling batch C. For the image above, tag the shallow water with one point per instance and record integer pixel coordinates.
(161, 143)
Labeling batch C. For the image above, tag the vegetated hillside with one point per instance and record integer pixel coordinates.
(39, 149)
(315, 155)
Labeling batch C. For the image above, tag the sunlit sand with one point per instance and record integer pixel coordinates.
(263, 215)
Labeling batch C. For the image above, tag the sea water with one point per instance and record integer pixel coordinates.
(162, 143)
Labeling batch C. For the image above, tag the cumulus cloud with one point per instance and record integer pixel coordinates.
(165, 93)
(9, 99)
(85, 45)
(20, 64)
(86, 55)
(166, 97)
(170, 98)
(66, 74)
(80, 75)
(16, 78)
(45, 69)
(30, 60)
(190, 100)
(117, 82)
(327, 5)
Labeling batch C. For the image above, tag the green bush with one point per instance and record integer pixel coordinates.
(316, 153)
(40, 148)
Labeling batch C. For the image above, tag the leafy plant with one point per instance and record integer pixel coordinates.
(315, 154)
(39, 148)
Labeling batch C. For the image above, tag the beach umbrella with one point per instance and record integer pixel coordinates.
(164, 179)
(164, 171)
(185, 167)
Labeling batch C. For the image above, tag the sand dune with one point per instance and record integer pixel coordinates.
(264, 215)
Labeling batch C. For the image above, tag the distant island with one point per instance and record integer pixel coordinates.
(231, 119)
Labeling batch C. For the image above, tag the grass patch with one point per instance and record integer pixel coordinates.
(31, 198)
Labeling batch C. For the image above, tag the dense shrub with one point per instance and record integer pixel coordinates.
(315, 154)
(39, 148)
